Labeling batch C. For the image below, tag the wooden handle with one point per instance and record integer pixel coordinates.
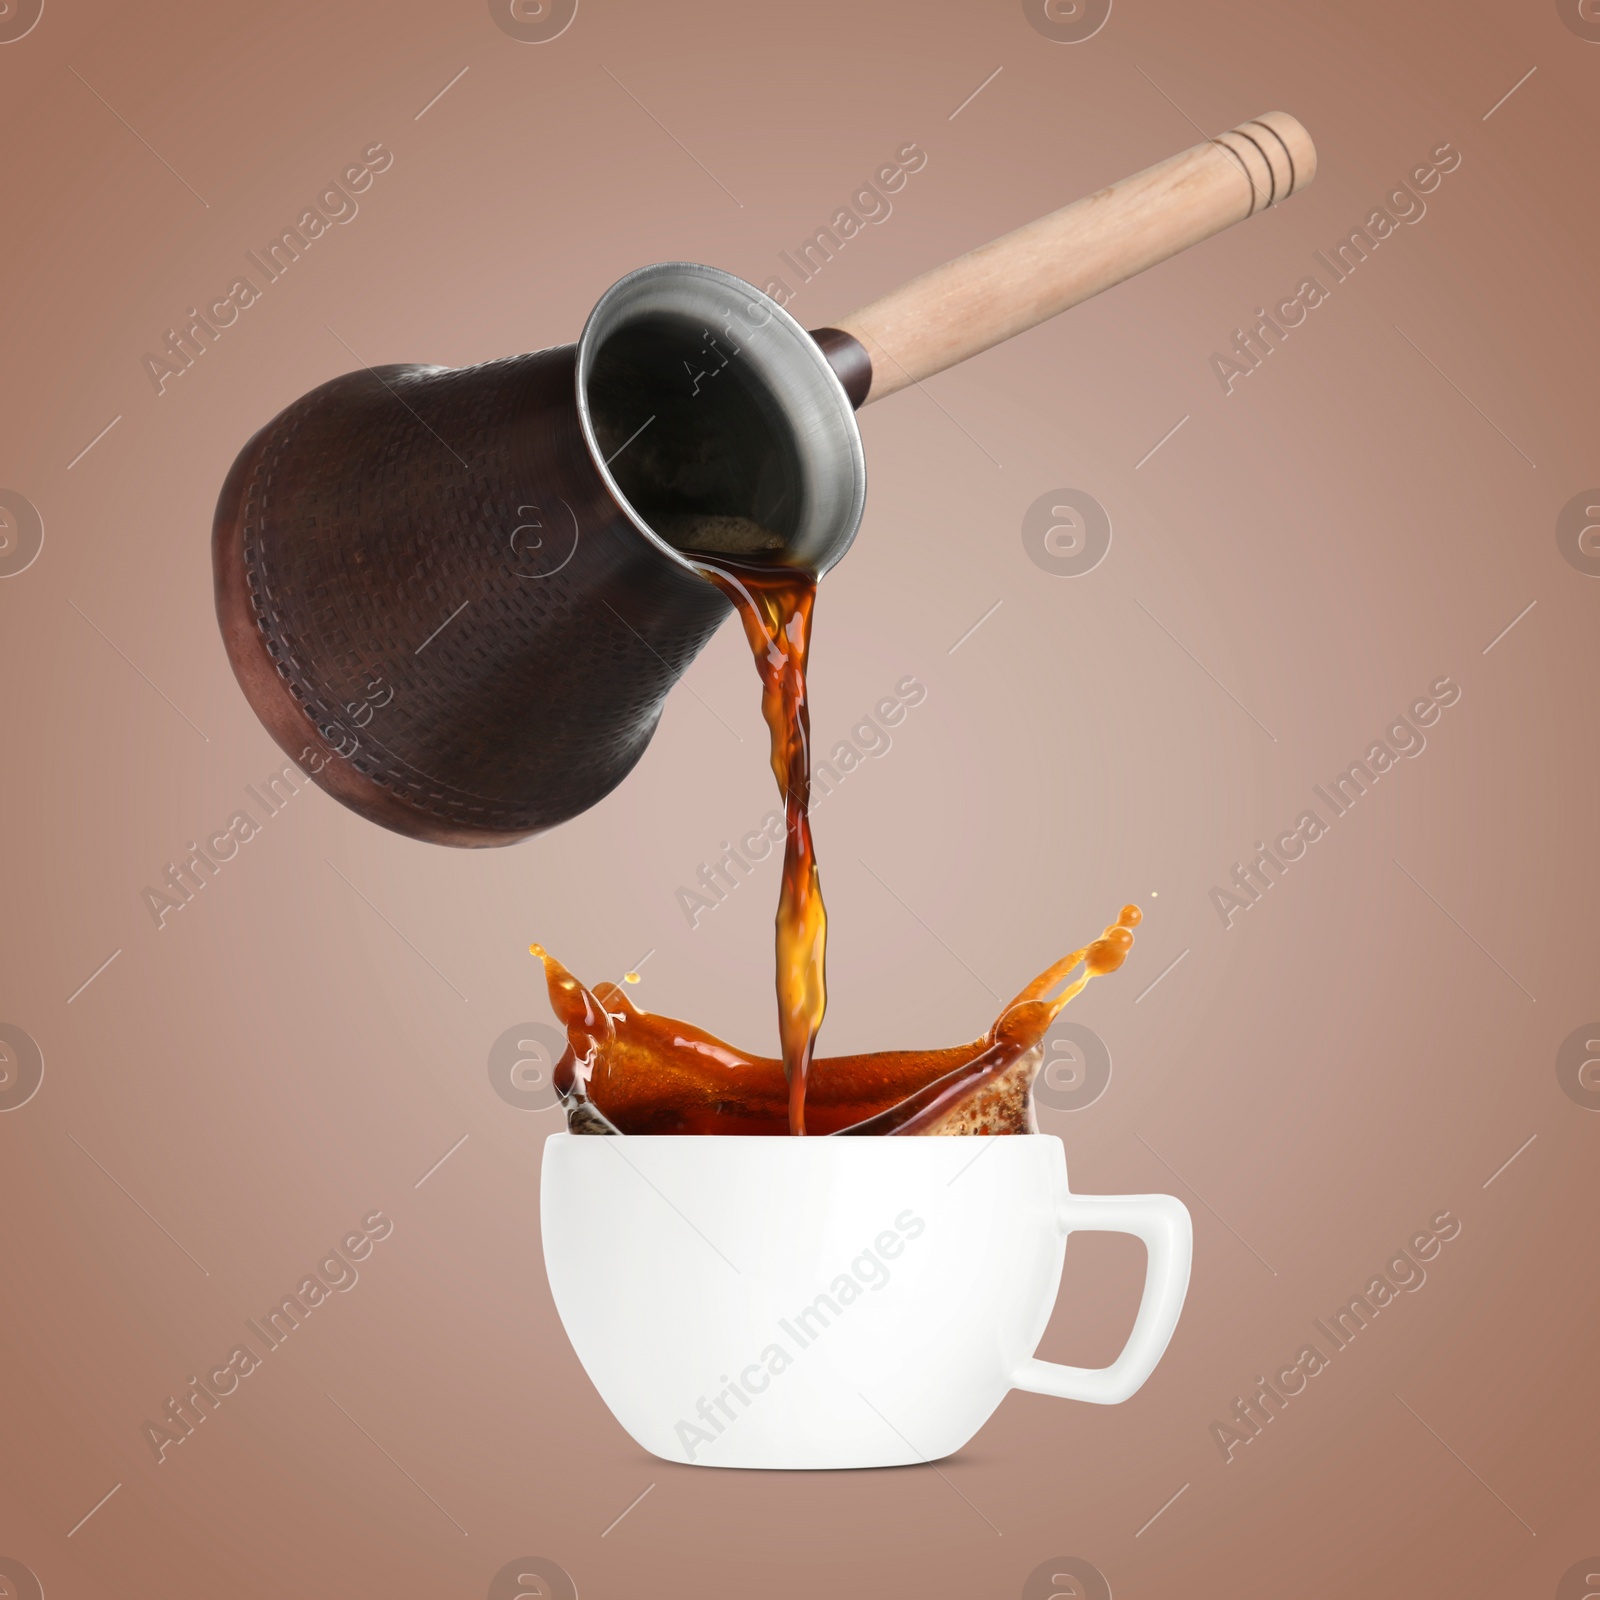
(1029, 276)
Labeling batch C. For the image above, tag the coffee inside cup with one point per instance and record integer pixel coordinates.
(628, 1071)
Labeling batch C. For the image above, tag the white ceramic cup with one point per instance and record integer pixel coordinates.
(795, 1303)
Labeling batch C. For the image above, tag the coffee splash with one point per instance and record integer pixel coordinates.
(627, 1071)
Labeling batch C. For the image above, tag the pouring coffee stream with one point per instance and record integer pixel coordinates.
(458, 598)
(775, 604)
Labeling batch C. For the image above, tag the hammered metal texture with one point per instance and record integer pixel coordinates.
(437, 608)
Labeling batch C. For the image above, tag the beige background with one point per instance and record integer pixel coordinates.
(1365, 1048)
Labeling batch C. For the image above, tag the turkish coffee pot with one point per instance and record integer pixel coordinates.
(459, 597)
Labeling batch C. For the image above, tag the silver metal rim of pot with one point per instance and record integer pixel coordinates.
(792, 367)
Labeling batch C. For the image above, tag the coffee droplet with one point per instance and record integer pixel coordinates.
(1110, 950)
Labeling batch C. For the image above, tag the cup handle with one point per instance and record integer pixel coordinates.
(1163, 1223)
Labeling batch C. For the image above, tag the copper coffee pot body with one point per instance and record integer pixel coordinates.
(440, 598)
